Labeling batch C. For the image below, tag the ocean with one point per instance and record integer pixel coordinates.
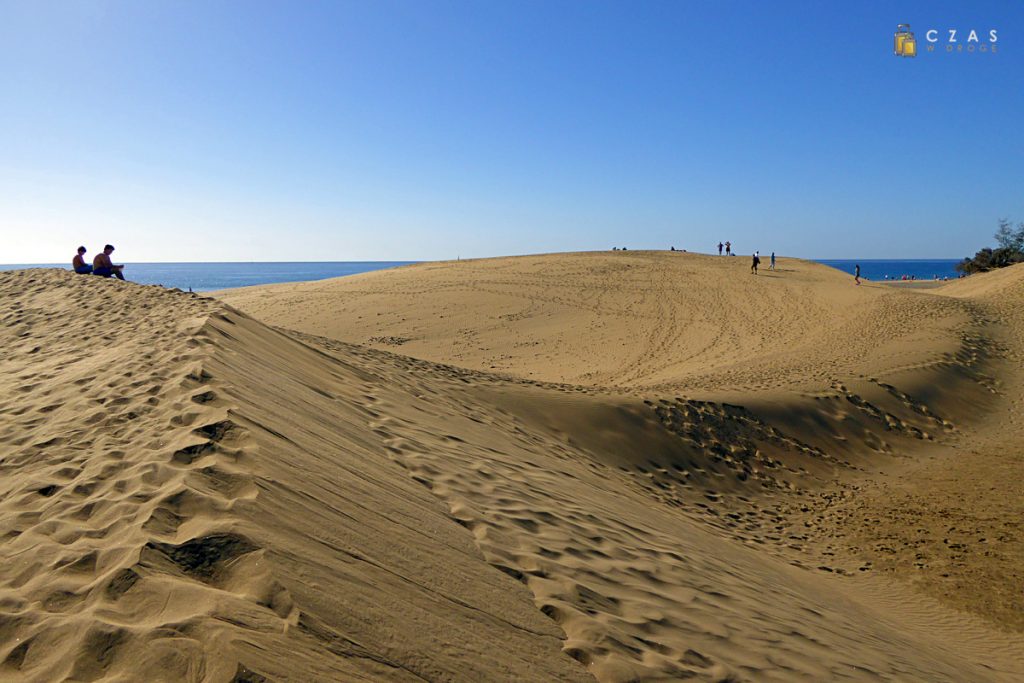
(877, 269)
(205, 277)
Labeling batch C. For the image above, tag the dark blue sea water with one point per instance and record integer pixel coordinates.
(877, 269)
(204, 277)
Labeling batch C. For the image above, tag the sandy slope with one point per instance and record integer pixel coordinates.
(184, 499)
(841, 368)
(624, 319)
(197, 496)
(955, 526)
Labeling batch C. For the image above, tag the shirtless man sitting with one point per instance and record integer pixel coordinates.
(102, 266)
(78, 263)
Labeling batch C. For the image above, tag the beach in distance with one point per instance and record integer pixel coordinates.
(612, 466)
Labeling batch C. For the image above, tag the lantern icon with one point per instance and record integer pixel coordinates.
(905, 43)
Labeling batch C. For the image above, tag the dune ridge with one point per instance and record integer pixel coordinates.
(169, 550)
(198, 496)
(625, 319)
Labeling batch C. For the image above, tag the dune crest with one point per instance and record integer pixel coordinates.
(624, 319)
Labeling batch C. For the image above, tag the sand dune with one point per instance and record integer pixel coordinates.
(183, 501)
(560, 489)
(624, 319)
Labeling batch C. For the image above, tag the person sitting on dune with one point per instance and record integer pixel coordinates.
(102, 266)
(78, 263)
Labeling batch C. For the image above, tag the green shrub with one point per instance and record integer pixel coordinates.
(1009, 251)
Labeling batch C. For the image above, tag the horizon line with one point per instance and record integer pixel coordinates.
(469, 258)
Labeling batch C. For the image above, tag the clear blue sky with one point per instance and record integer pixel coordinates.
(238, 131)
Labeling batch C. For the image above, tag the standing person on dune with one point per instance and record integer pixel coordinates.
(755, 261)
(856, 274)
(728, 247)
(719, 248)
(771, 266)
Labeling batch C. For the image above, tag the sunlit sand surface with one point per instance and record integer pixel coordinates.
(611, 466)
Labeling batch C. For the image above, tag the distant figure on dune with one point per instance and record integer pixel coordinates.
(856, 273)
(78, 263)
(728, 248)
(102, 266)
(754, 262)
(719, 248)
(772, 265)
